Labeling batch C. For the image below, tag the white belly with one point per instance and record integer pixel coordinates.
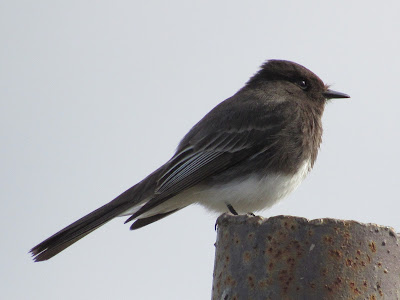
(247, 194)
(252, 193)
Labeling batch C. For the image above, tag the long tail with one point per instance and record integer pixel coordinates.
(77, 230)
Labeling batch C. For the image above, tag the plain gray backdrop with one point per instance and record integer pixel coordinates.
(95, 95)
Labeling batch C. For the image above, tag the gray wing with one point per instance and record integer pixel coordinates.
(209, 157)
(226, 136)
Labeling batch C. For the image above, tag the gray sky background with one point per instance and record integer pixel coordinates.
(95, 95)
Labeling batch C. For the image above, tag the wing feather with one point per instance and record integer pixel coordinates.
(202, 156)
(198, 165)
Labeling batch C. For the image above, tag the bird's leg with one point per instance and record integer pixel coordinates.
(231, 209)
(233, 212)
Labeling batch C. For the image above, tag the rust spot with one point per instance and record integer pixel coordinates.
(328, 239)
(354, 288)
(278, 253)
(338, 281)
(365, 283)
(227, 258)
(358, 252)
(335, 253)
(269, 238)
(251, 281)
(372, 297)
(246, 257)
(312, 285)
(349, 262)
(290, 261)
(296, 244)
(229, 281)
(372, 247)
(328, 288)
(379, 264)
(285, 278)
(378, 286)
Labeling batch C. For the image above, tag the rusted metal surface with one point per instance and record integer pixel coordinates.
(288, 257)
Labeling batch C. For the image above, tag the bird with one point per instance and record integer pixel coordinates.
(246, 154)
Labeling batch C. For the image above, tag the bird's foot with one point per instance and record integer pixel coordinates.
(231, 209)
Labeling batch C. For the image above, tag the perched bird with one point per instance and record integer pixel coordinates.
(247, 153)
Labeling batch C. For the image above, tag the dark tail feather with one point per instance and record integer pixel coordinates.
(77, 230)
(139, 223)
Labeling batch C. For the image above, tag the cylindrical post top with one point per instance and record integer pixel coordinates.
(288, 257)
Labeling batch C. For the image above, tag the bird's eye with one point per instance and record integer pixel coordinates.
(303, 84)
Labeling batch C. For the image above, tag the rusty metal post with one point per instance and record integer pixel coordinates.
(288, 257)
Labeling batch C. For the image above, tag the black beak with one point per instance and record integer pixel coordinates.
(329, 94)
